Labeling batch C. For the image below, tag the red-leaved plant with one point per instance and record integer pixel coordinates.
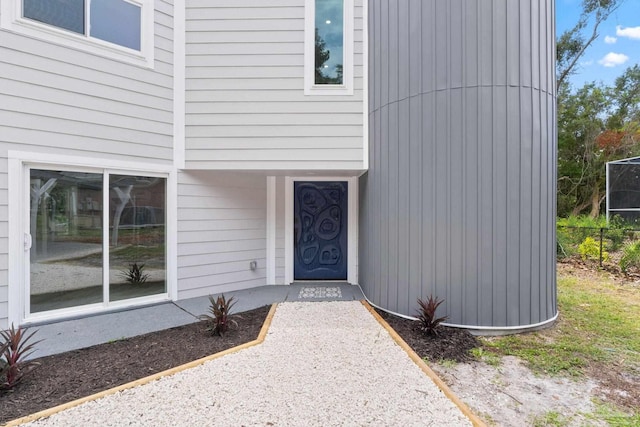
(15, 349)
(218, 321)
(427, 315)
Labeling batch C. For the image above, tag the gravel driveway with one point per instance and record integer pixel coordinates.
(321, 364)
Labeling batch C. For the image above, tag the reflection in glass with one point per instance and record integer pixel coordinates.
(66, 234)
(116, 21)
(329, 56)
(66, 14)
(137, 256)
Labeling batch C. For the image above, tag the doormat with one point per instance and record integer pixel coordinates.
(320, 292)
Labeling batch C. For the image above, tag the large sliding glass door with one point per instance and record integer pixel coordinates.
(90, 249)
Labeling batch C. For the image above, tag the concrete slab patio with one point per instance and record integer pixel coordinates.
(84, 332)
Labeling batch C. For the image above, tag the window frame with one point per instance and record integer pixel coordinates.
(11, 19)
(310, 87)
(19, 165)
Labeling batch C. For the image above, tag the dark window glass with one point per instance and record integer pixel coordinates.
(117, 22)
(66, 14)
(66, 235)
(329, 42)
(137, 254)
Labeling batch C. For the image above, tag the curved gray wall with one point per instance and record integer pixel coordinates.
(459, 200)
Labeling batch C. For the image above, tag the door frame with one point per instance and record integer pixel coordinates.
(352, 224)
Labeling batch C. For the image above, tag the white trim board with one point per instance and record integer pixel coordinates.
(179, 84)
(271, 230)
(352, 224)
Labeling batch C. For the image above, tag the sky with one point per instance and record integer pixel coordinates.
(617, 48)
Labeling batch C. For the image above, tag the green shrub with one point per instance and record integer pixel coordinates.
(574, 230)
(589, 249)
(583, 221)
(616, 233)
(566, 247)
(630, 256)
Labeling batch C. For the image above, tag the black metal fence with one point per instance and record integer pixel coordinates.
(597, 244)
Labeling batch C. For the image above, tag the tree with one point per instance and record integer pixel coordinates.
(322, 56)
(596, 124)
(626, 94)
(572, 44)
(579, 162)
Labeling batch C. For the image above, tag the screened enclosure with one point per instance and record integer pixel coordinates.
(623, 189)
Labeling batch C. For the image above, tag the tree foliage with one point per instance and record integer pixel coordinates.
(596, 124)
(572, 44)
(322, 56)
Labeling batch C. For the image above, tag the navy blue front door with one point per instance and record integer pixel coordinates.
(320, 230)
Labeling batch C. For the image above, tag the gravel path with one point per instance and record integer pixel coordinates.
(321, 364)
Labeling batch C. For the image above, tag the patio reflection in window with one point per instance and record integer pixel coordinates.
(137, 241)
(66, 226)
(66, 235)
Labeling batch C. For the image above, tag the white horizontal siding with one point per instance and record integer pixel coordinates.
(48, 88)
(283, 165)
(291, 107)
(59, 100)
(220, 258)
(246, 107)
(294, 142)
(274, 36)
(221, 229)
(257, 96)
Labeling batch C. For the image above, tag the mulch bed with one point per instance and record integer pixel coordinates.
(68, 376)
(450, 343)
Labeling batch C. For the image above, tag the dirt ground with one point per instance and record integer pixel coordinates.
(510, 394)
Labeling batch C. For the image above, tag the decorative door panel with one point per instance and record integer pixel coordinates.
(320, 230)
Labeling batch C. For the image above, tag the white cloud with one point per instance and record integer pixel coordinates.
(612, 59)
(587, 63)
(610, 40)
(630, 32)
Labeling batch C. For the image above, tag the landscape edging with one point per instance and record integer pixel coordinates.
(51, 411)
(477, 422)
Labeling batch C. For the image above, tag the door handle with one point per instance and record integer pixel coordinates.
(28, 241)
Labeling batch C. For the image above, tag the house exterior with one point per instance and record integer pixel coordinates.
(155, 150)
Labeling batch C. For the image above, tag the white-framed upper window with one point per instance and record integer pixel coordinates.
(329, 27)
(117, 29)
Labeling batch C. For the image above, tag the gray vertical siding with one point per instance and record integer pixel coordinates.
(459, 200)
